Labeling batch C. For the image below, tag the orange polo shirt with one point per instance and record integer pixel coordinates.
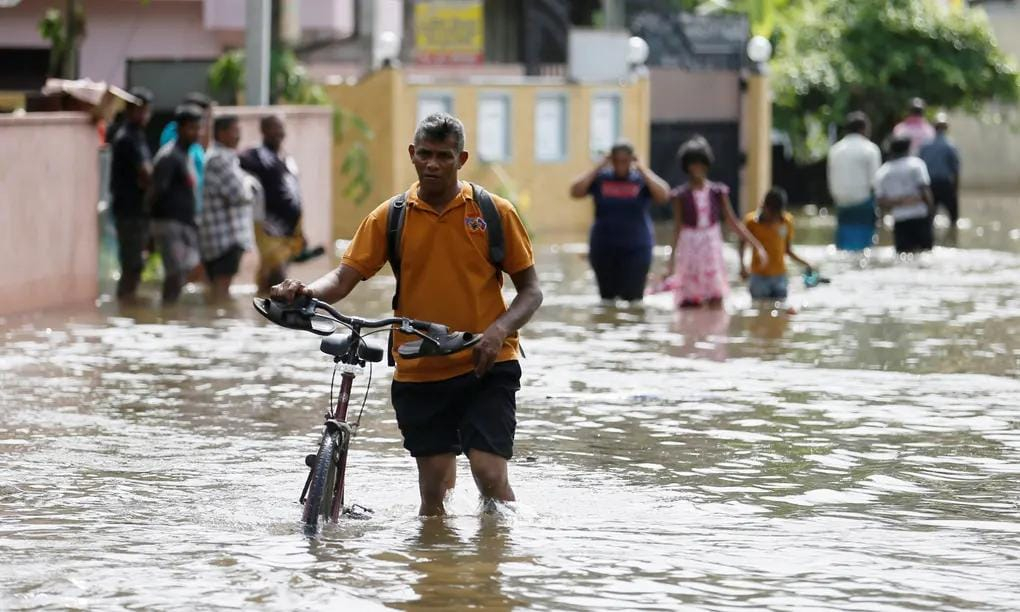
(445, 273)
(775, 237)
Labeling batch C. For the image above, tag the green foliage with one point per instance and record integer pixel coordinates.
(226, 75)
(53, 29)
(290, 84)
(289, 80)
(834, 56)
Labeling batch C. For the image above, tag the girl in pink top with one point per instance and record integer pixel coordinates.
(697, 272)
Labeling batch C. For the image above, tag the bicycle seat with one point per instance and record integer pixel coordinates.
(447, 345)
(294, 316)
(338, 346)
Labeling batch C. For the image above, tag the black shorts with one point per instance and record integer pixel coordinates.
(226, 264)
(460, 414)
(913, 235)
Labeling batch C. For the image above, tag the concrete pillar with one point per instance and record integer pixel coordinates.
(290, 22)
(614, 14)
(256, 52)
(759, 140)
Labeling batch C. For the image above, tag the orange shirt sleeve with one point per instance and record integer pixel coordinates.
(519, 255)
(367, 251)
(751, 223)
(788, 218)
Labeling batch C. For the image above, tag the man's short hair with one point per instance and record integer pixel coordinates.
(187, 112)
(198, 99)
(437, 127)
(144, 95)
(265, 122)
(224, 122)
(857, 122)
(622, 146)
(899, 146)
(776, 198)
(695, 150)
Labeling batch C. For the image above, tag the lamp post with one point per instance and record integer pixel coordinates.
(256, 52)
(759, 106)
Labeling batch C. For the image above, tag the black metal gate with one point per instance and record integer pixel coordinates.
(723, 136)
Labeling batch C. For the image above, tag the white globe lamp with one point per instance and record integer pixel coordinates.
(637, 51)
(388, 47)
(759, 49)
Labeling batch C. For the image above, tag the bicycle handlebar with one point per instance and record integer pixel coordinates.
(310, 305)
(435, 339)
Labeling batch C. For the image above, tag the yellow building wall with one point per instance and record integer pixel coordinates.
(389, 105)
(11, 100)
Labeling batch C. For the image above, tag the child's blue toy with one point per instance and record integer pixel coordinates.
(812, 279)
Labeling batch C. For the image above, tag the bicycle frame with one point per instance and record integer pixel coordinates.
(350, 363)
(435, 340)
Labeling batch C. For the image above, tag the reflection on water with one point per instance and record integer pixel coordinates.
(861, 454)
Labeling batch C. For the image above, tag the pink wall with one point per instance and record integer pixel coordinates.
(49, 188)
(119, 30)
(310, 141)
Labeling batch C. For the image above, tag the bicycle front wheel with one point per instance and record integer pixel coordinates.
(319, 500)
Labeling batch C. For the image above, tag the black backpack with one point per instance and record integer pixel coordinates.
(395, 229)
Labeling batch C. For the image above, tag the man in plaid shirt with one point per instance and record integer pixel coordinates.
(225, 223)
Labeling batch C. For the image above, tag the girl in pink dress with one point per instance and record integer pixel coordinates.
(697, 272)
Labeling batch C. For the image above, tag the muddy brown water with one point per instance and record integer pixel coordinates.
(862, 454)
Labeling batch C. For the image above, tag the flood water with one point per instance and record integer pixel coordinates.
(862, 454)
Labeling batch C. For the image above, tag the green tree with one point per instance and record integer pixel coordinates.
(834, 56)
(64, 39)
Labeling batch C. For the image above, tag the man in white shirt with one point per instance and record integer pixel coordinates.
(903, 188)
(853, 162)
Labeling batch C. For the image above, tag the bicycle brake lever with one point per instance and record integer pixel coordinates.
(407, 328)
(305, 304)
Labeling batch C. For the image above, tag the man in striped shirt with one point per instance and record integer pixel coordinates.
(225, 223)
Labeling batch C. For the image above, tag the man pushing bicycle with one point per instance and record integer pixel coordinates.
(448, 243)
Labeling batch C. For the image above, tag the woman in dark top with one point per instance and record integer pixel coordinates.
(621, 241)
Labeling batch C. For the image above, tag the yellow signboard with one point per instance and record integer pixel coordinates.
(449, 31)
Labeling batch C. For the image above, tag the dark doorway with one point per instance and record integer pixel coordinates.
(723, 136)
(24, 69)
(170, 80)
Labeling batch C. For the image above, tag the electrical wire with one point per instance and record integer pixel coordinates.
(364, 400)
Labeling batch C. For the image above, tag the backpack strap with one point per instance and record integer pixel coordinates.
(493, 225)
(394, 230)
(494, 231)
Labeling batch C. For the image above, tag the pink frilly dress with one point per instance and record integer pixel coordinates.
(699, 269)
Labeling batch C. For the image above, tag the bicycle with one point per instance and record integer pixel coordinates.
(323, 493)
